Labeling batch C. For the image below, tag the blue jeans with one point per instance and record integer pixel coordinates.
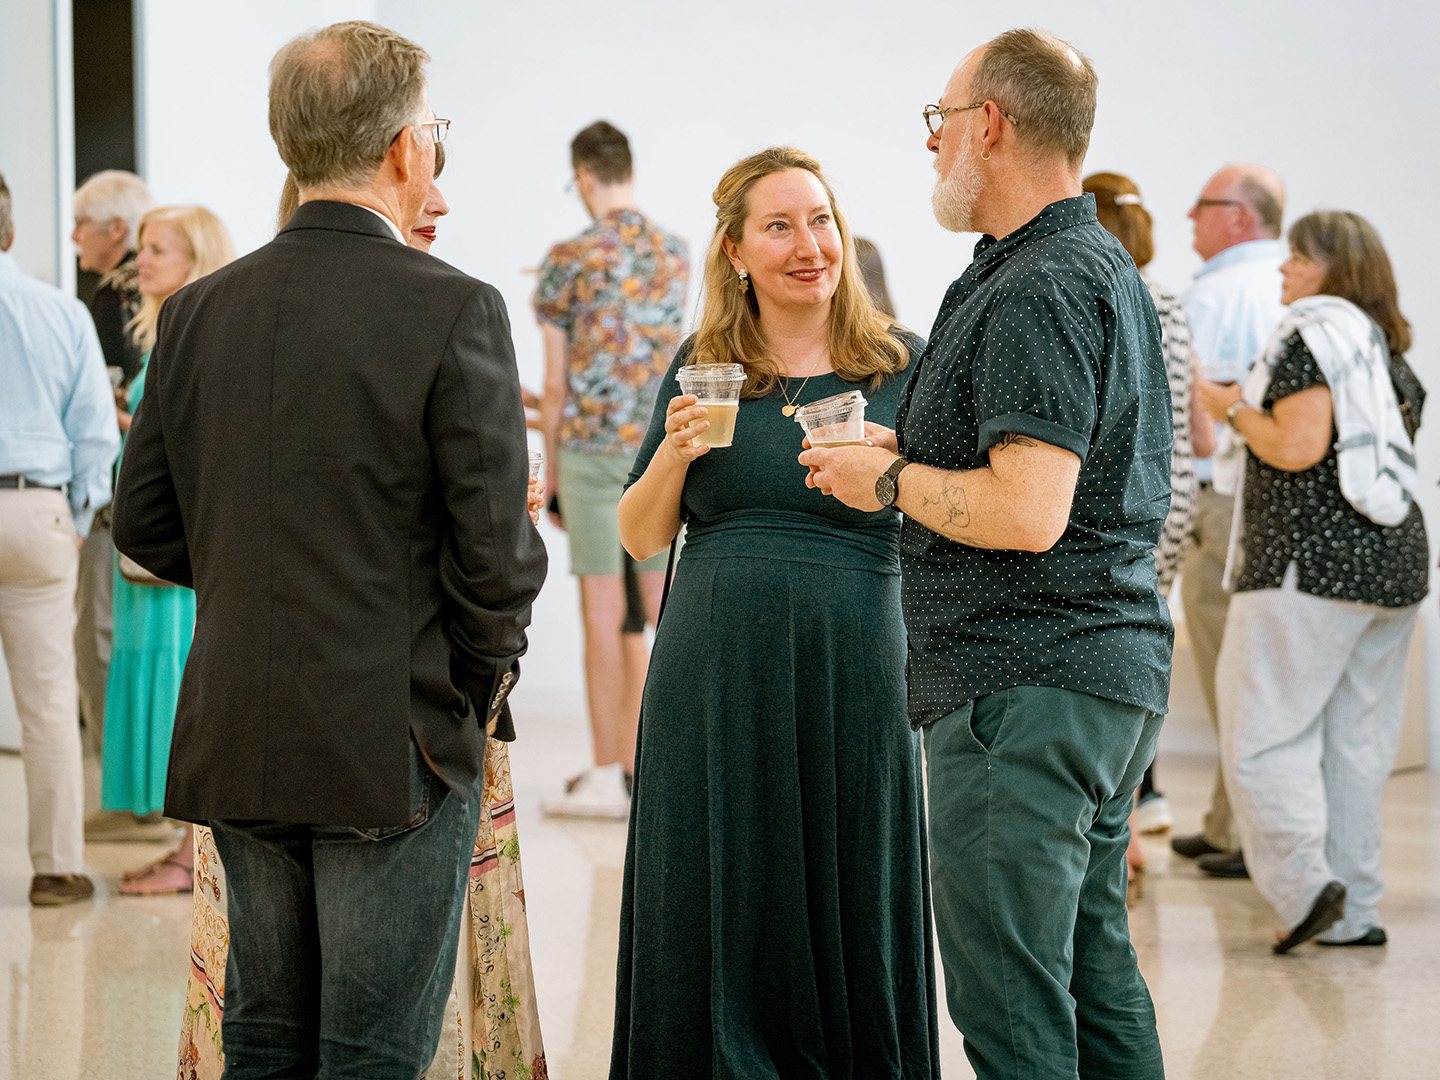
(343, 940)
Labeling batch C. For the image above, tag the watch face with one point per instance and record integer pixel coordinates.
(885, 490)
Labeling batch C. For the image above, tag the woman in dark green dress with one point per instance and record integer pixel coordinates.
(776, 913)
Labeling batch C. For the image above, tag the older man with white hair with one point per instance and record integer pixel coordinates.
(1032, 465)
(108, 209)
(331, 452)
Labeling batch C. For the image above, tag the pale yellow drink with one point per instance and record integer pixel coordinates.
(721, 415)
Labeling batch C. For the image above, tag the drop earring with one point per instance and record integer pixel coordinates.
(744, 281)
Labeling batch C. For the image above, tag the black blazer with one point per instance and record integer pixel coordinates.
(331, 451)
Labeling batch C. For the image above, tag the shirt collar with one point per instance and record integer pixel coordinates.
(393, 227)
(1061, 214)
(1249, 251)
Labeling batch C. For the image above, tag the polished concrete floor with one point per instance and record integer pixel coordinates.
(95, 989)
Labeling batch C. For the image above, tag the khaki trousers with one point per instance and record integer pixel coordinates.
(38, 565)
(1206, 603)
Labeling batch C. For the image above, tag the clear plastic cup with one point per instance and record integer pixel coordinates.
(834, 421)
(536, 460)
(717, 386)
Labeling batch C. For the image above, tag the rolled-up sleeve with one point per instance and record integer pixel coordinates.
(1036, 375)
(90, 425)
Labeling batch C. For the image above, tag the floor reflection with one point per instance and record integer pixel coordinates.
(96, 989)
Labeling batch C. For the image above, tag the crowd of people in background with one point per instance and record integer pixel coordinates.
(327, 751)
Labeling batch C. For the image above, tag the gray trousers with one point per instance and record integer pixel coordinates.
(1310, 715)
(1206, 602)
(94, 625)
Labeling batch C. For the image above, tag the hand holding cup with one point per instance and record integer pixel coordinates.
(685, 419)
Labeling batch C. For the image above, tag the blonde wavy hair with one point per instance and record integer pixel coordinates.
(861, 345)
(209, 246)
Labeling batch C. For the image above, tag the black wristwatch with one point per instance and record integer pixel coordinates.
(887, 483)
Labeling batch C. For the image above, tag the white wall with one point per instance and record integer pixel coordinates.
(37, 142)
(1345, 108)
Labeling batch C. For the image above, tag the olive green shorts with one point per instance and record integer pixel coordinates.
(590, 489)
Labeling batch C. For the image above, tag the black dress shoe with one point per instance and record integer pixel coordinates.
(1192, 847)
(1374, 936)
(1230, 864)
(1325, 912)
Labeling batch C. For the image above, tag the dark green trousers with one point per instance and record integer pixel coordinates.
(1030, 793)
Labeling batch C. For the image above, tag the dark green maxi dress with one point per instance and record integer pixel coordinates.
(776, 910)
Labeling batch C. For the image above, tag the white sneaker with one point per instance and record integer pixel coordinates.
(1152, 815)
(598, 793)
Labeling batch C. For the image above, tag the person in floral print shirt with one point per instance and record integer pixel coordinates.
(610, 304)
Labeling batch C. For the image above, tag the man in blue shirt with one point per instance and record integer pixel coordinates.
(1033, 471)
(58, 438)
(1233, 306)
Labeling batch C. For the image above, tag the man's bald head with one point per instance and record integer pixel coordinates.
(1259, 188)
(1240, 203)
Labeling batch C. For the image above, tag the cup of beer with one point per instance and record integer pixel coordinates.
(717, 386)
(834, 421)
(537, 458)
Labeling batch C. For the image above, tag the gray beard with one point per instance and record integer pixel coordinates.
(953, 199)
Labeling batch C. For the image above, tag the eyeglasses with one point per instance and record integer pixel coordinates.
(442, 128)
(931, 112)
(1200, 204)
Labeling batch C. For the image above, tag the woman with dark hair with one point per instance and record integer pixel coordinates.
(1119, 208)
(776, 910)
(872, 269)
(1329, 563)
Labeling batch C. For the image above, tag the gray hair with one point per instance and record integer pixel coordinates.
(1046, 84)
(7, 221)
(113, 194)
(1269, 209)
(338, 98)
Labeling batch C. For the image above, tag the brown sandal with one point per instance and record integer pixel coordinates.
(167, 875)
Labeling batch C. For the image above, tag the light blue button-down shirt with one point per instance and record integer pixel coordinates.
(57, 414)
(1234, 306)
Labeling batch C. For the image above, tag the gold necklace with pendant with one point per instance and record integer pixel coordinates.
(788, 409)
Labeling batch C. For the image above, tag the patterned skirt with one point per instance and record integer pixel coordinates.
(492, 1027)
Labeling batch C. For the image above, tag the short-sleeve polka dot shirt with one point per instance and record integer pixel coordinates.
(1050, 333)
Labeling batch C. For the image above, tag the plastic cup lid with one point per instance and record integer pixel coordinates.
(830, 408)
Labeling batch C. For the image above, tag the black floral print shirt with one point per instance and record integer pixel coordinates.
(1302, 517)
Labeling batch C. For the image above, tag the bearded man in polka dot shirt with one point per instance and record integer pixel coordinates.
(1032, 466)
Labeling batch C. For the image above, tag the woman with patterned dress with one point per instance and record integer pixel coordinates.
(1328, 563)
(775, 919)
(153, 621)
(492, 1025)
(1119, 208)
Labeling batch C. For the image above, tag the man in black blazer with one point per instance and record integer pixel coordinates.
(331, 452)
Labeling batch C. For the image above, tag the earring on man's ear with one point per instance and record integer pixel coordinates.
(984, 155)
(744, 281)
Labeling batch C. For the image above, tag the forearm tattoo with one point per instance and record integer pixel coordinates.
(953, 507)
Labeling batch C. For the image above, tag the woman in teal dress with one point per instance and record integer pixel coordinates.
(776, 910)
(154, 622)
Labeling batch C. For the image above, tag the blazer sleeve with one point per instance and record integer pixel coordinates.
(493, 562)
(145, 517)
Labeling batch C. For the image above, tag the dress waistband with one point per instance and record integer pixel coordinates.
(792, 536)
